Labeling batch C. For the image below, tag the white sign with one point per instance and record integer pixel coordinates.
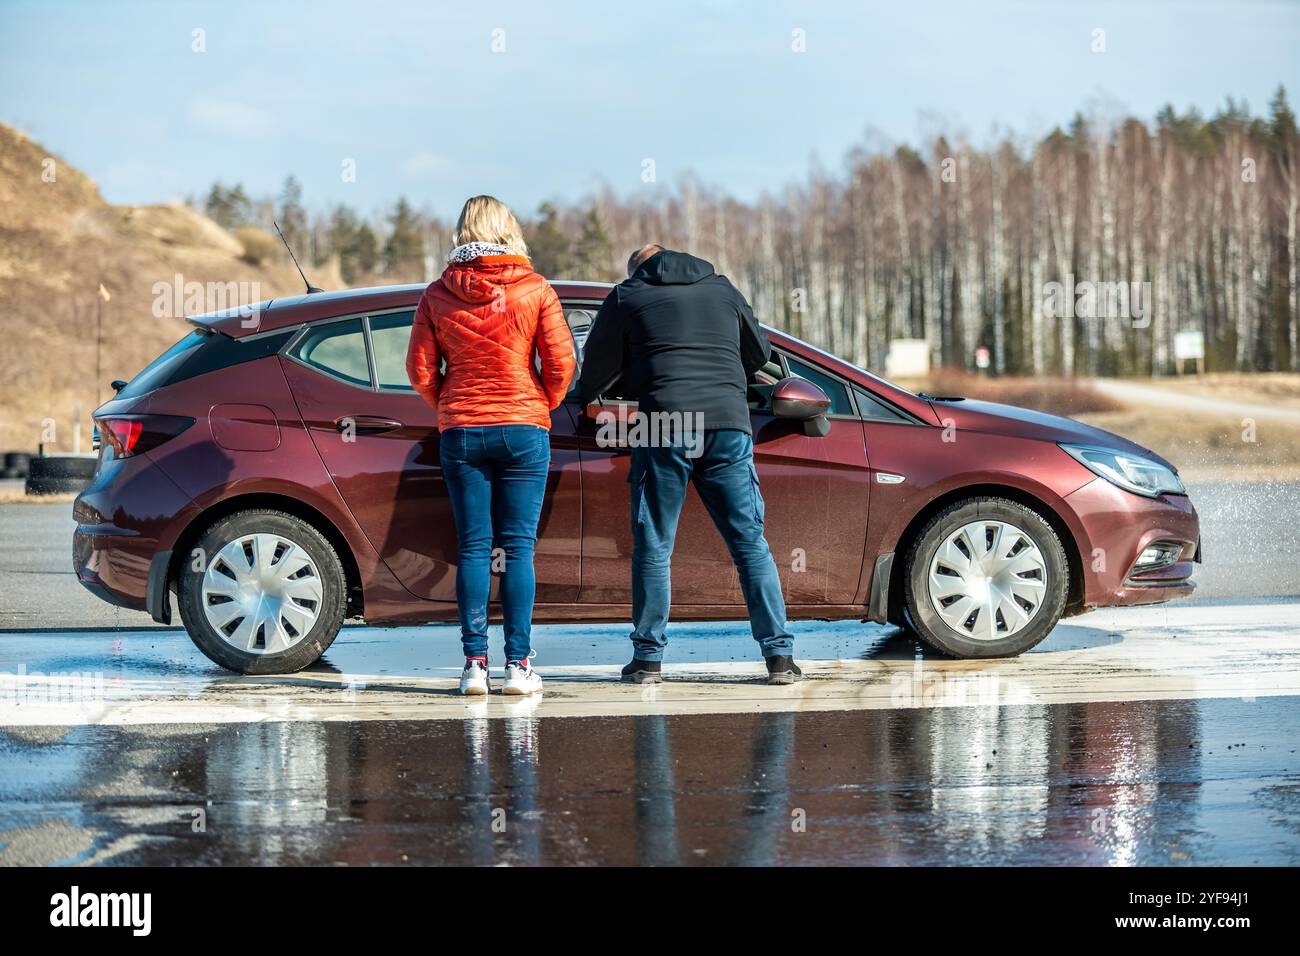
(908, 358)
(1189, 344)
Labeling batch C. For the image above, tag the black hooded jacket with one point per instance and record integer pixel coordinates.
(677, 337)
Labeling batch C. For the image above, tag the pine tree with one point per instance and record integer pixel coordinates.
(218, 207)
(592, 254)
(365, 249)
(241, 208)
(404, 249)
(292, 216)
(343, 232)
(547, 245)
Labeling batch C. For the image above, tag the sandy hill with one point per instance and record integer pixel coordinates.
(58, 241)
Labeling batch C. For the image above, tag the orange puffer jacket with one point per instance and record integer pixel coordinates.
(486, 318)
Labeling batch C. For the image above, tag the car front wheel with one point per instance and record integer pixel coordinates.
(986, 577)
(262, 592)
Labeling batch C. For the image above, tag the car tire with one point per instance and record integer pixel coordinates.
(1036, 548)
(321, 574)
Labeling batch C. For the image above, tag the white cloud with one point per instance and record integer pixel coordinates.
(230, 118)
(425, 164)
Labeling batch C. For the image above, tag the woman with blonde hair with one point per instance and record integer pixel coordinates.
(481, 333)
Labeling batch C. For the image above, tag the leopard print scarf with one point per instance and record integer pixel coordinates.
(472, 250)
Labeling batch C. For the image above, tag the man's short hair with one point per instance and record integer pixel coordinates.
(641, 255)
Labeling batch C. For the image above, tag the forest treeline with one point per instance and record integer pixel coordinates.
(1083, 252)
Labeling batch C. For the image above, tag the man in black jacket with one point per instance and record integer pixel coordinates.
(683, 342)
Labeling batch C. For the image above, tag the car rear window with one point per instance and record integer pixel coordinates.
(199, 352)
(160, 371)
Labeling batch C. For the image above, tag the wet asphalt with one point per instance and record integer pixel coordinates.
(1138, 783)
(1134, 737)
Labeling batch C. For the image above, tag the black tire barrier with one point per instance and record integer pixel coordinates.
(64, 466)
(55, 486)
(18, 461)
(11, 473)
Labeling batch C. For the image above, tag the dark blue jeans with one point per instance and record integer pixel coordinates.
(727, 483)
(496, 477)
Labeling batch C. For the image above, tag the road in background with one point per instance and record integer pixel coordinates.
(1139, 394)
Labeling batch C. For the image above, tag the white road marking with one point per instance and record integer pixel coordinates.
(1183, 651)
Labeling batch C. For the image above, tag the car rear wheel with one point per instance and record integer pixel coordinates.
(986, 577)
(263, 592)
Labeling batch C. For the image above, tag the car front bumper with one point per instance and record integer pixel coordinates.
(1116, 527)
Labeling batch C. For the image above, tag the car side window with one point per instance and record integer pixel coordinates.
(835, 390)
(390, 336)
(580, 319)
(873, 409)
(337, 348)
(758, 392)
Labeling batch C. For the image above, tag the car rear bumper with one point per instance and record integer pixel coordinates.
(1117, 528)
(113, 564)
(122, 518)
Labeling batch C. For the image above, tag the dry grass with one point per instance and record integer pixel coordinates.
(58, 241)
(1203, 447)
(16, 496)
(1208, 448)
(1056, 396)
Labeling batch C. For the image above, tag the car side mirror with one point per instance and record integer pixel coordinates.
(118, 384)
(802, 401)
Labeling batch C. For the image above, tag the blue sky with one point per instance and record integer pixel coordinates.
(583, 92)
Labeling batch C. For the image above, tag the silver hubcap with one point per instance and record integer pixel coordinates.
(262, 593)
(988, 580)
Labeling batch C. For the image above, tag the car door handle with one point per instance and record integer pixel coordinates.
(366, 424)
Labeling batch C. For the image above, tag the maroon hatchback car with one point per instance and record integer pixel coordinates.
(276, 471)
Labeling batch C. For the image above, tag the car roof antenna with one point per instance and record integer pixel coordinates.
(310, 288)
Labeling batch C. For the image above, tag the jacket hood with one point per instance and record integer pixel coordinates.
(480, 280)
(673, 268)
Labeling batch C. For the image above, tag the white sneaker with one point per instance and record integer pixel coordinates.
(474, 680)
(521, 678)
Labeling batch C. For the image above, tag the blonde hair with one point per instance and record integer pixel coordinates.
(487, 219)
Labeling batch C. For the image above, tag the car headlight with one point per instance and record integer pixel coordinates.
(1142, 476)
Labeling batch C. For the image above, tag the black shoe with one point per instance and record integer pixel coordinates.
(642, 672)
(782, 670)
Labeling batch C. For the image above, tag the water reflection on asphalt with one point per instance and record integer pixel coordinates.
(1149, 782)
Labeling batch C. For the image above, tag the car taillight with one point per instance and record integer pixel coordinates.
(133, 434)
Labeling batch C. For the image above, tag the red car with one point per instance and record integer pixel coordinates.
(275, 470)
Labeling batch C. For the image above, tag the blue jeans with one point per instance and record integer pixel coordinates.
(727, 482)
(496, 478)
